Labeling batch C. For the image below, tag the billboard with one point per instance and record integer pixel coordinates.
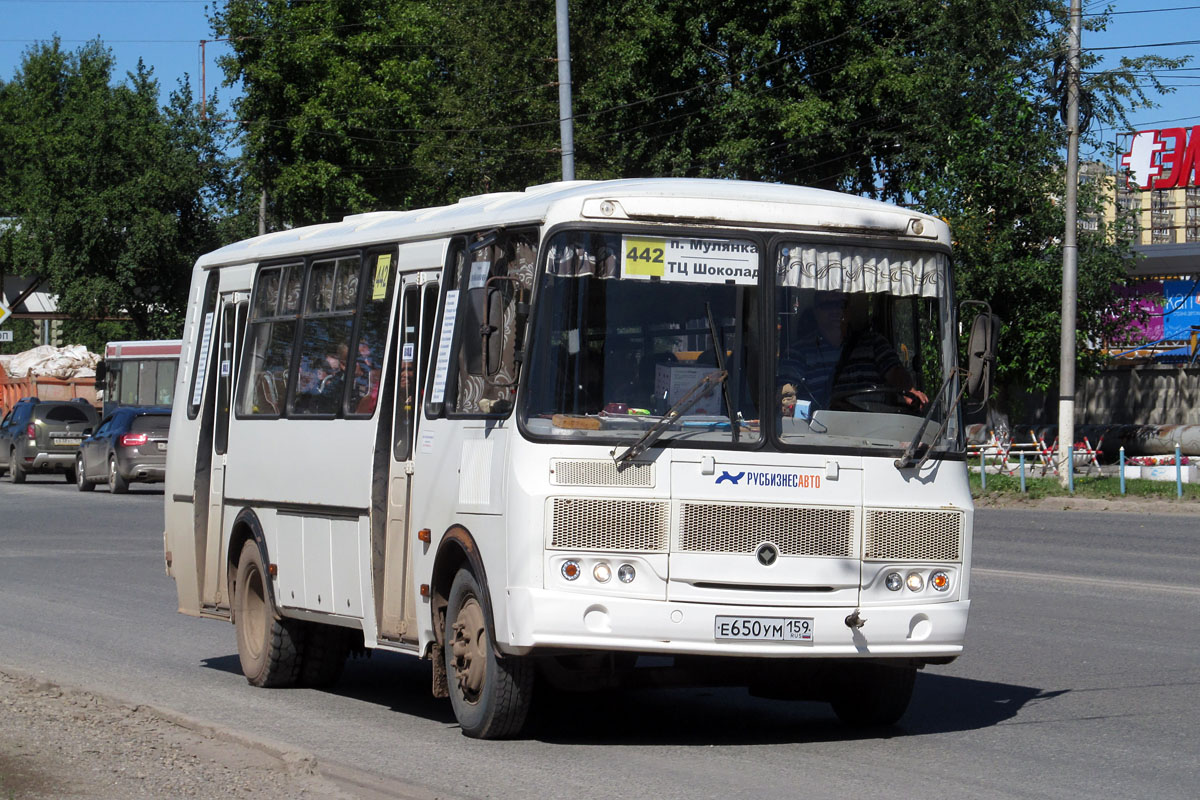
(1181, 311)
(1168, 158)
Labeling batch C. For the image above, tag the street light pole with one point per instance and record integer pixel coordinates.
(1066, 379)
(565, 119)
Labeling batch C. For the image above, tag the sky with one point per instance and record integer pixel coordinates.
(166, 34)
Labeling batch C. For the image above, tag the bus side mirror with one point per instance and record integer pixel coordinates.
(101, 374)
(981, 354)
(497, 298)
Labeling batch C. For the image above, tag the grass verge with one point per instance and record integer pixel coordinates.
(1085, 486)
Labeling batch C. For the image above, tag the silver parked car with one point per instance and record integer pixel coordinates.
(130, 445)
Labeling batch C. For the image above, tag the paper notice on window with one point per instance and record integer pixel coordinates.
(202, 362)
(445, 341)
(383, 269)
(689, 260)
(479, 274)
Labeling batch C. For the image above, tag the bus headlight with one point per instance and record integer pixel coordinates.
(915, 582)
(602, 572)
(570, 570)
(626, 573)
(894, 582)
(940, 580)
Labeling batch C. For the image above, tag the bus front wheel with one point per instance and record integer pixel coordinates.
(269, 648)
(490, 695)
(872, 695)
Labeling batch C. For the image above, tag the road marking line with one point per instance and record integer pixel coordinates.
(1105, 582)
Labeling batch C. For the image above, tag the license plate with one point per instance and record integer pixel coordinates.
(162, 445)
(68, 442)
(764, 629)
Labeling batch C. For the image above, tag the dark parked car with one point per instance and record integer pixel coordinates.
(130, 445)
(42, 436)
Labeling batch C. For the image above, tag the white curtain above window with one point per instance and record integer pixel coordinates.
(862, 269)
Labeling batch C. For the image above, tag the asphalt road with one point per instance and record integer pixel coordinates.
(1082, 676)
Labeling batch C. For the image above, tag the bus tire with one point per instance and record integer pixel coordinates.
(269, 648)
(872, 695)
(116, 483)
(325, 650)
(82, 483)
(490, 695)
(16, 472)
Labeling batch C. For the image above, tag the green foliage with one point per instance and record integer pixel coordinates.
(24, 336)
(947, 105)
(114, 197)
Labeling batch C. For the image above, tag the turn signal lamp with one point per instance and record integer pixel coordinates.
(570, 570)
(893, 582)
(940, 580)
(915, 582)
(602, 572)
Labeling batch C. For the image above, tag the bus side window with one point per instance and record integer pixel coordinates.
(325, 365)
(367, 354)
(495, 271)
(269, 345)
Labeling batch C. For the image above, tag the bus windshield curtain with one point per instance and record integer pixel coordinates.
(862, 269)
(577, 254)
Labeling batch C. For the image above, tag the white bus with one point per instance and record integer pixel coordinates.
(576, 432)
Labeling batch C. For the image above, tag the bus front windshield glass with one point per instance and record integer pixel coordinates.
(635, 333)
(863, 347)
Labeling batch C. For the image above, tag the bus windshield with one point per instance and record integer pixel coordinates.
(863, 346)
(858, 353)
(613, 351)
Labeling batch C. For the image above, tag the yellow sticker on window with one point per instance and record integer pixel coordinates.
(644, 257)
(383, 268)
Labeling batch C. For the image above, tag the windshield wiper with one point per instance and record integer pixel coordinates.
(719, 348)
(910, 452)
(690, 398)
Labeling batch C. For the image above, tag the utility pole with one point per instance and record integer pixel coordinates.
(1066, 377)
(566, 122)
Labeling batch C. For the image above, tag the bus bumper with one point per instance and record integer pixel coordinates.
(540, 618)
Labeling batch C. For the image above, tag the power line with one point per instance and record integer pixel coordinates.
(1145, 46)
(1141, 11)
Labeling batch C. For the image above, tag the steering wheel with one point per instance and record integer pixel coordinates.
(889, 396)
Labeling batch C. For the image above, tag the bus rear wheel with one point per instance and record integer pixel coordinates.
(325, 650)
(269, 648)
(872, 695)
(490, 695)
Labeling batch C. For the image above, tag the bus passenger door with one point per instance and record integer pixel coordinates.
(418, 313)
(231, 314)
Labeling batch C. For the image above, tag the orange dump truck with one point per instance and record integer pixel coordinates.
(45, 388)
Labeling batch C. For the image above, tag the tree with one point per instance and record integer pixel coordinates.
(113, 197)
(335, 93)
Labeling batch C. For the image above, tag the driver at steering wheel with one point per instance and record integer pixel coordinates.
(835, 360)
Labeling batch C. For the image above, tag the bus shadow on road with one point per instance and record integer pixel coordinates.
(684, 716)
(391, 680)
(725, 716)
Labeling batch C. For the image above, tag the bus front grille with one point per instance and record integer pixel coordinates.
(907, 535)
(795, 530)
(600, 472)
(598, 524)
